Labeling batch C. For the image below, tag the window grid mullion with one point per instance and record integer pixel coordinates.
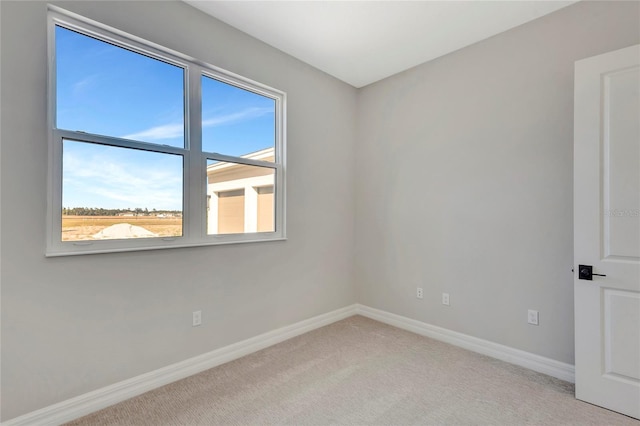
(122, 143)
(239, 160)
(195, 183)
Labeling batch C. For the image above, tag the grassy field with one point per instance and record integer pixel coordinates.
(75, 228)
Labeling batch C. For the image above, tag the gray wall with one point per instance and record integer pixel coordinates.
(74, 324)
(463, 184)
(464, 181)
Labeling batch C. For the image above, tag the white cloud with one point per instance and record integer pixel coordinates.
(85, 84)
(236, 117)
(169, 131)
(101, 180)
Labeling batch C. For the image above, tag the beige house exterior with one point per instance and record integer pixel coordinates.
(240, 197)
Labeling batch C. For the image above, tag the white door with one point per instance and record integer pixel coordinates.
(607, 230)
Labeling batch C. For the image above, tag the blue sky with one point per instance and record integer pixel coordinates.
(108, 90)
(111, 177)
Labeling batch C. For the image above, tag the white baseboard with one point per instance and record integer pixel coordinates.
(528, 360)
(82, 405)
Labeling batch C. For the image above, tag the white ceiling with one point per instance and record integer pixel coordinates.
(361, 42)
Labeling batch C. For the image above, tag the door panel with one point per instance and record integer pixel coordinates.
(607, 229)
(622, 342)
(621, 164)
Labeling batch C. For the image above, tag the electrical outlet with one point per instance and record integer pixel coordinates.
(419, 294)
(197, 318)
(533, 317)
(445, 299)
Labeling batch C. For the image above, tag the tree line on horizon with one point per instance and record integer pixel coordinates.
(99, 211)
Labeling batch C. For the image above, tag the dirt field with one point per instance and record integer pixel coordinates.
(75, 228)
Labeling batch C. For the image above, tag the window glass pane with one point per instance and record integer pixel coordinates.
(236, 121)
(117, 193)
(240, 198)
(111, 91)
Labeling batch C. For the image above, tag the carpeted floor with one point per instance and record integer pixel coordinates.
(359, 371)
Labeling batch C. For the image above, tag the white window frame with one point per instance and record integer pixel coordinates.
(194, 214)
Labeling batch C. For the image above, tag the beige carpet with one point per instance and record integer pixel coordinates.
(359, 371)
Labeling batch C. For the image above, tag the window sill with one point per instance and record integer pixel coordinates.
(102, 247)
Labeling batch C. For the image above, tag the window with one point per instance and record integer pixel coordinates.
(152, 149)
